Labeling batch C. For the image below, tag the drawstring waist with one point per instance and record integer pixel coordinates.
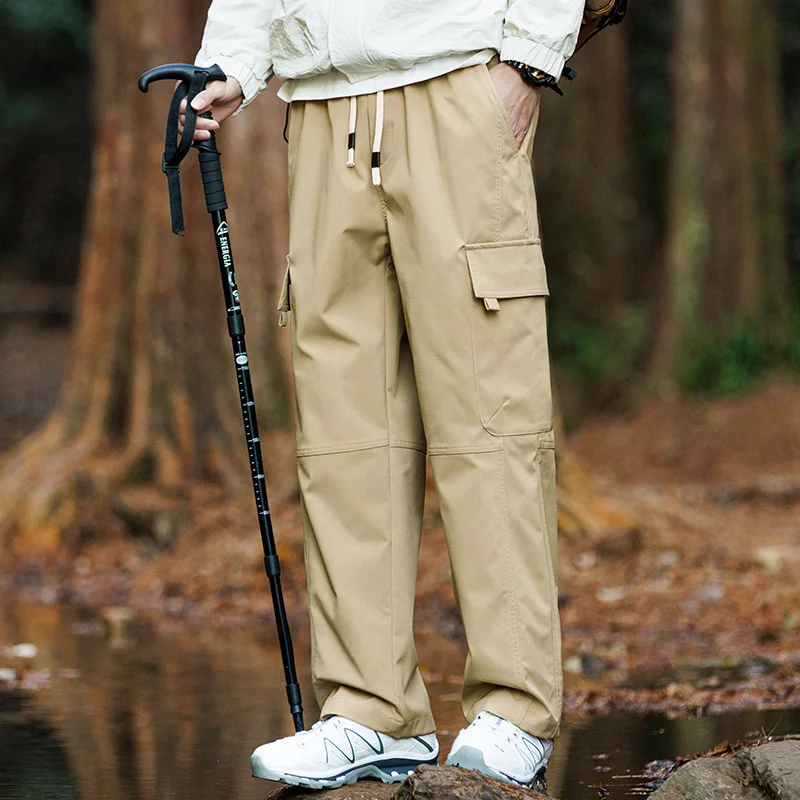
(351, 133)
(376, 143)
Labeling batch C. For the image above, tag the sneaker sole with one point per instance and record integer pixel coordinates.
(390, 771)
(472, 758)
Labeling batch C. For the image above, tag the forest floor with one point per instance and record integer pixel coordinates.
(691, 601)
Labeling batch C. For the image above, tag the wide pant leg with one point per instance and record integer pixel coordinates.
(464, 291)
(464, 232)
(360, 444)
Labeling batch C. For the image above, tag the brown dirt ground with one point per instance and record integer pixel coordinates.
(701, 570)
(712, 576)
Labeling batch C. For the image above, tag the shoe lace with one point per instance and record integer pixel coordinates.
(316, 729)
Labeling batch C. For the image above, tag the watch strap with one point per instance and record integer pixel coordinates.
(535, 77)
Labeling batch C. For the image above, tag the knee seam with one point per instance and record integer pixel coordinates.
(464, 450)
(354, 447)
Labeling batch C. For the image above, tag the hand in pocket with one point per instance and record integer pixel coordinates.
(519, 99)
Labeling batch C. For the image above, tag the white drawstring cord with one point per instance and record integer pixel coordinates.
(351, 133)
(376, 145)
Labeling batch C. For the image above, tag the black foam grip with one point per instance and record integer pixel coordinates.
(211, 171)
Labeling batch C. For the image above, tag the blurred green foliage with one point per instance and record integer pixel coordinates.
(49, 19)
(592, 356)
(598, 362)
(45, 151)
(737, 362)
(45, 135)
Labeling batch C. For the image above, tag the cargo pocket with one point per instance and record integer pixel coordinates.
(285, 303)
(508, 323)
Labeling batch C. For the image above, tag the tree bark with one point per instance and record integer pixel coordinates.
(725, 250)
(150, 397)
(594, 231)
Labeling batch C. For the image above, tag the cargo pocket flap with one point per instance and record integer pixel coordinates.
(506, 269)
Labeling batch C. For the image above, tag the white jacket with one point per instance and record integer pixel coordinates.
(364, 39)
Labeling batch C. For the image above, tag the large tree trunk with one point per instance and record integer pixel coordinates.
(725, 250)
(150, 398)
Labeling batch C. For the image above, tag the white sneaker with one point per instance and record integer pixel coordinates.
(337, 751)
(496, 747)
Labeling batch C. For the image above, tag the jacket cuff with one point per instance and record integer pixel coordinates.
(533, 54)
(251, 84)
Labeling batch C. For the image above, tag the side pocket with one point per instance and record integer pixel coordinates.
(525, 146)
(508, 323)
(285, 302)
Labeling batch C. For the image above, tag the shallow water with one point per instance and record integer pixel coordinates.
(139, 715)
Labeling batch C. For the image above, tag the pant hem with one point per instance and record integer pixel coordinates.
(365, 713)
(526, 715)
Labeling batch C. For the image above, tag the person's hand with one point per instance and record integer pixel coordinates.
(519, 99)
(221, 98)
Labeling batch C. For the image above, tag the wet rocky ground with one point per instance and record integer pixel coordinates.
(683, 598)
(682, 603)
(109, 706)
(761, 770)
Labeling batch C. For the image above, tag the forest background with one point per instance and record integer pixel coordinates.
(670, 202)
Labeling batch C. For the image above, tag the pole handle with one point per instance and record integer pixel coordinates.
(192, 81)
(180, 72)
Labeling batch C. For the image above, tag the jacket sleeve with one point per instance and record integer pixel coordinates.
(237, 38)
(542, 33)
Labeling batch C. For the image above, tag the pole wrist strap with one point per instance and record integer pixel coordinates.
(175, 150)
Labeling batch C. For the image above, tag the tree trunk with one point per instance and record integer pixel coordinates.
(150, 397)
(585, 169)
(725, 250)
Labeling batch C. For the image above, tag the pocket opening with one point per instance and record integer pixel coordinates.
(284, 301)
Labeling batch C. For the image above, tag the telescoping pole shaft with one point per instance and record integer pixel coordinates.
(216, 204)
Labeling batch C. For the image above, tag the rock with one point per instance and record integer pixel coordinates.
(151, 514)
(775, 767)
(427, 783)
(361, 790)
(620, 544)
(611, 594)
(118, 621)
(763, 771)
(776, 490)
(454, 783)
(707, 779)
(25, 650)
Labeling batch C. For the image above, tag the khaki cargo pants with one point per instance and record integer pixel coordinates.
(418, 317)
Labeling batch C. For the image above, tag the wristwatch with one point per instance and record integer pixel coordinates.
(535, 77)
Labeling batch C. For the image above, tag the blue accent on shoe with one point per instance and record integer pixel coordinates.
(352, 757)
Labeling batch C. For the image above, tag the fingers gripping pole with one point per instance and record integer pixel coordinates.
(193, 80)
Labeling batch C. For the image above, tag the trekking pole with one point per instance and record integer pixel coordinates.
(192, 81)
